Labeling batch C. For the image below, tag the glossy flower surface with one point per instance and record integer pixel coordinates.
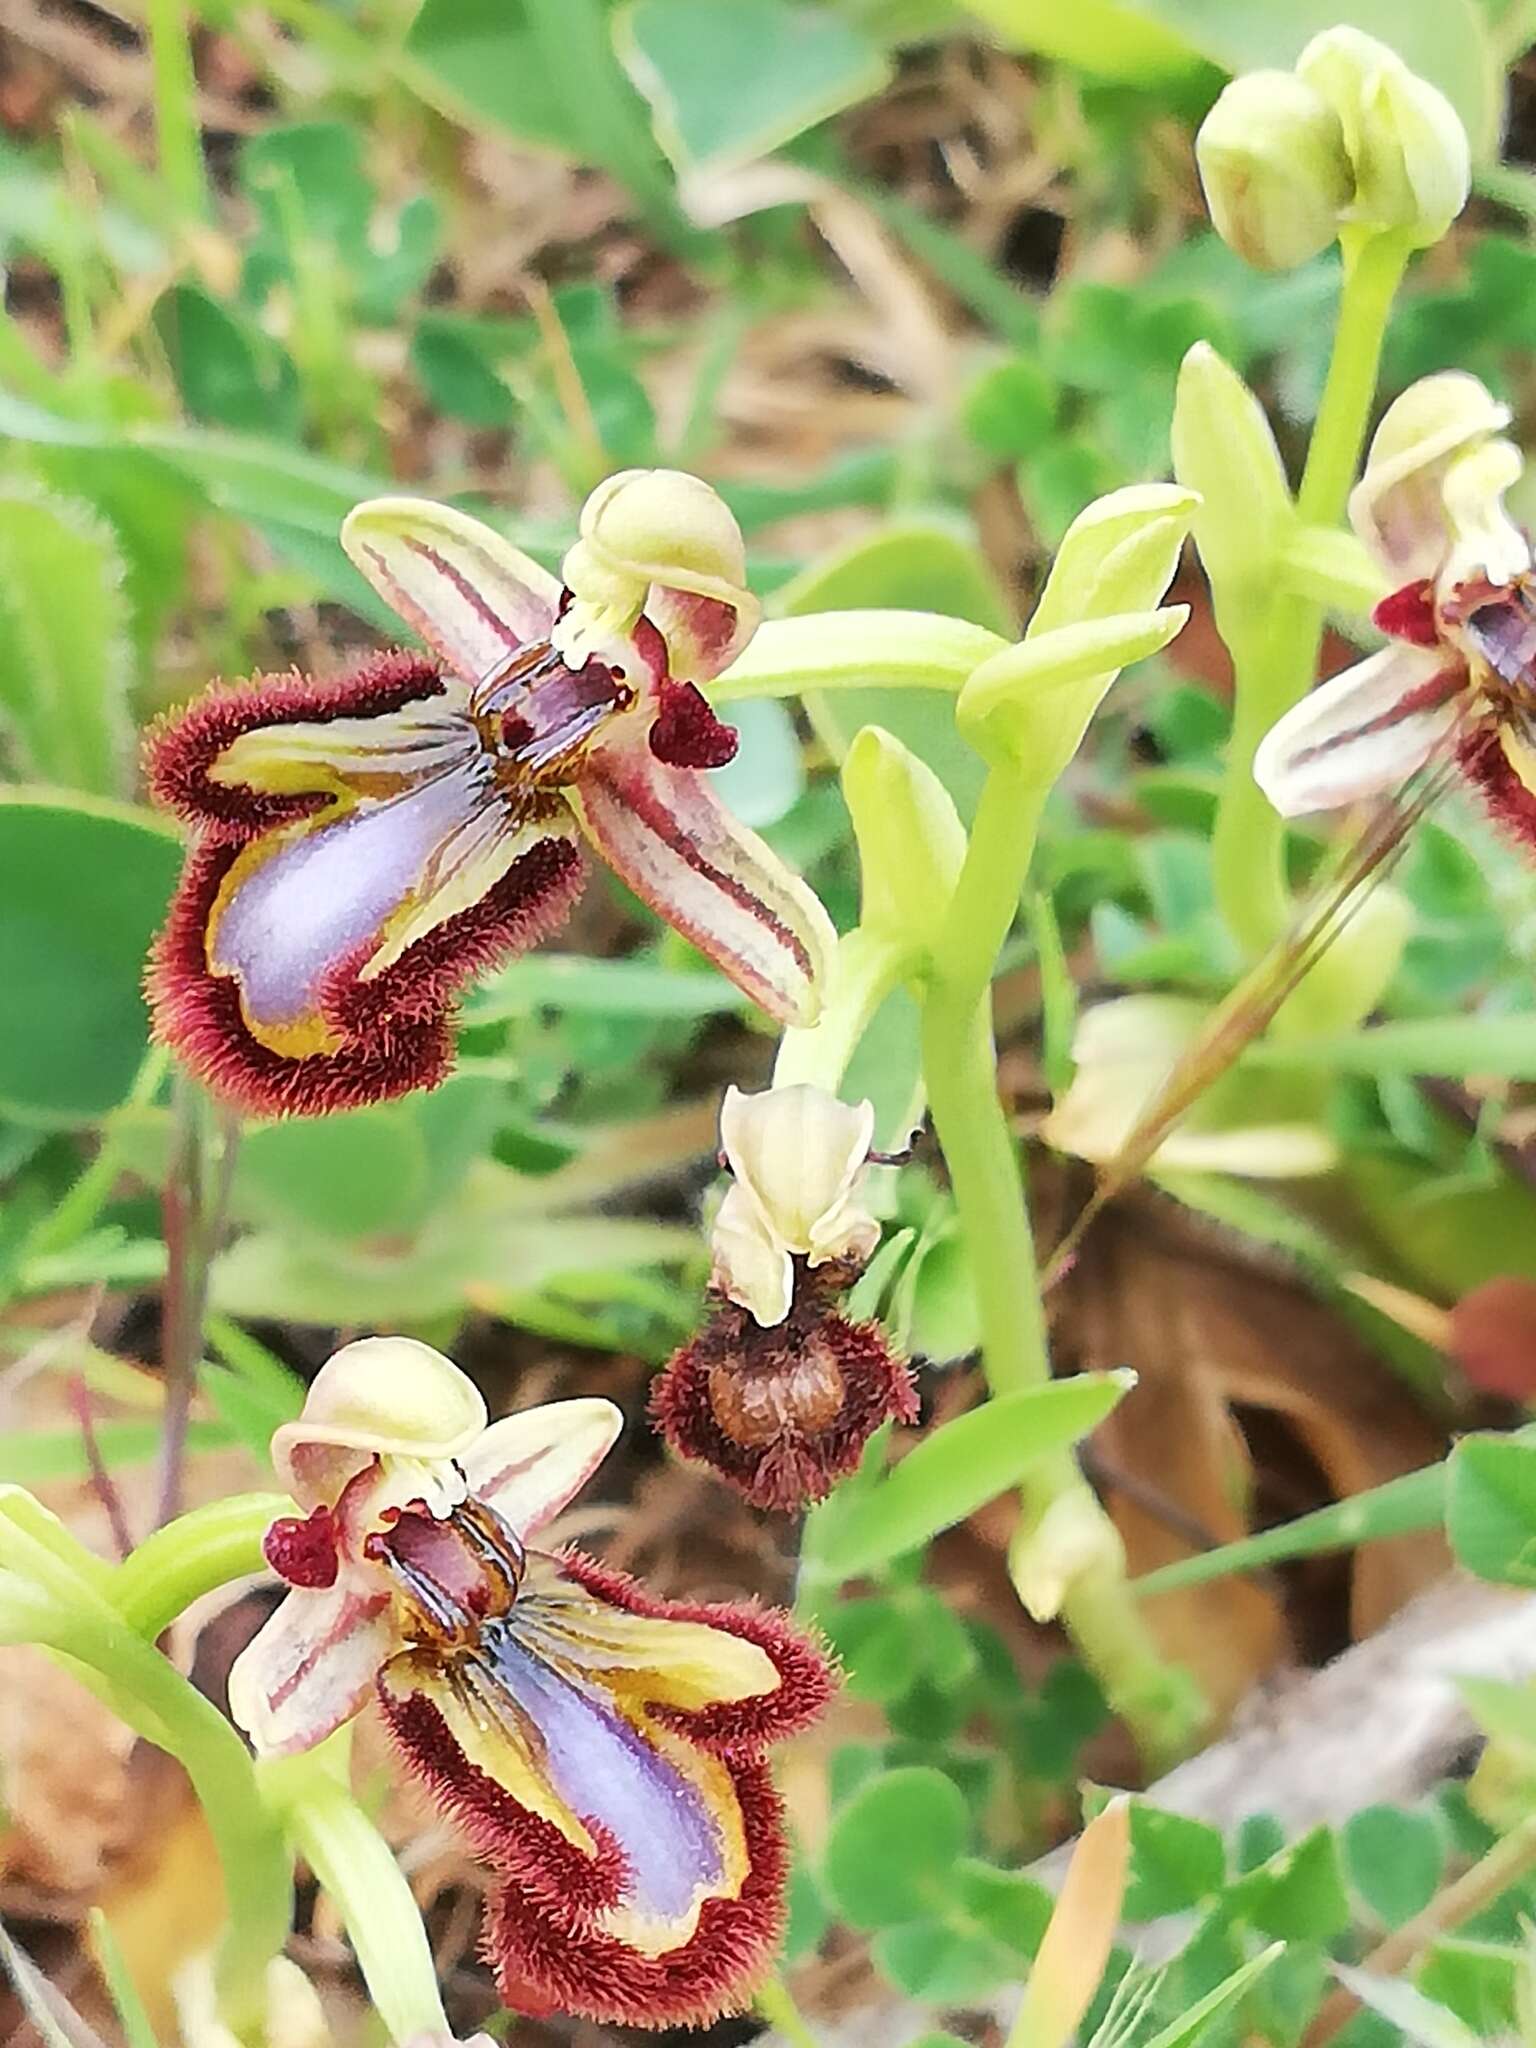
(779, 1392)
(1457, 676)
(363, 846)
(604, 1751)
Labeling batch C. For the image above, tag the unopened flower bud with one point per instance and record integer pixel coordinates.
(1073, 1538)
(1407, 147)
(798, 1157)
(1273, 164)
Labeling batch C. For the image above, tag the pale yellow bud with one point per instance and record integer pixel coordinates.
(1273, 164)
(798, 1156)
(1406, 145)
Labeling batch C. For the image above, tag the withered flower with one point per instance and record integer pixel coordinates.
(604, 1751)
(780, 1392)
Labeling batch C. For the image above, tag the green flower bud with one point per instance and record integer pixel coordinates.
(1406, 145)
(1273, 164)
(1031, 704)
(1223, 447)
(911, 840)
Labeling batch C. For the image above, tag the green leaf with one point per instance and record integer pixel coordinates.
(472, 1251)
(571, 983)
(941, 1963)
(728, 85)
(1013, 1908)
(1011, 409)
(1190, 2025)
(961, 1466)
(808, 1919)
(892, 1847)
(1106, 38)
(86, 884)
(1298, 1895)
(228, 372)
(767, 778)
(1176, 1863)
(64, 646)
(546, 71)
(1449, 1047)
(1491, 1508)
(32, 1459)
(1394, 1860)
(359, 1175)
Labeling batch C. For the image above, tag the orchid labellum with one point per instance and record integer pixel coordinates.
(604, 1751)
(779, 1392)
(1457, 680)
(363, 846)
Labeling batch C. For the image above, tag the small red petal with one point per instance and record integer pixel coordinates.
(781, 1414)
(1409, 614)
(181, 747)
(301, 1549)
(687, 734)
(1508, 801)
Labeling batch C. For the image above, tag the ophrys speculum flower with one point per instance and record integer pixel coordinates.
(604, 1751)
(363, 846)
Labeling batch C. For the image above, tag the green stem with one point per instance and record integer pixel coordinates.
(357, 1868)
(1373, 269)
(868, 967)
(89, 1194)
(178, 139)
(162, 1707)
(960, 1074)
(191, 1556)
(1274, 643)
(775, 2002)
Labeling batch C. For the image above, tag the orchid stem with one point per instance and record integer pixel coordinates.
(776, 2004)
(357, 1868)
(1158, 1703)
(193, 1221)
(1275, 659)
(44, 1600)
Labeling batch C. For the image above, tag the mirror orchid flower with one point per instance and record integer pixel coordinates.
(604, 1751)
(1456, 679)
(362, 846)
(779, 1392)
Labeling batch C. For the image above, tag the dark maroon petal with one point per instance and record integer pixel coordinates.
(1493, 1337)
(687, 733)
(1409, 614)
(301, 1549)
(182, 746)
